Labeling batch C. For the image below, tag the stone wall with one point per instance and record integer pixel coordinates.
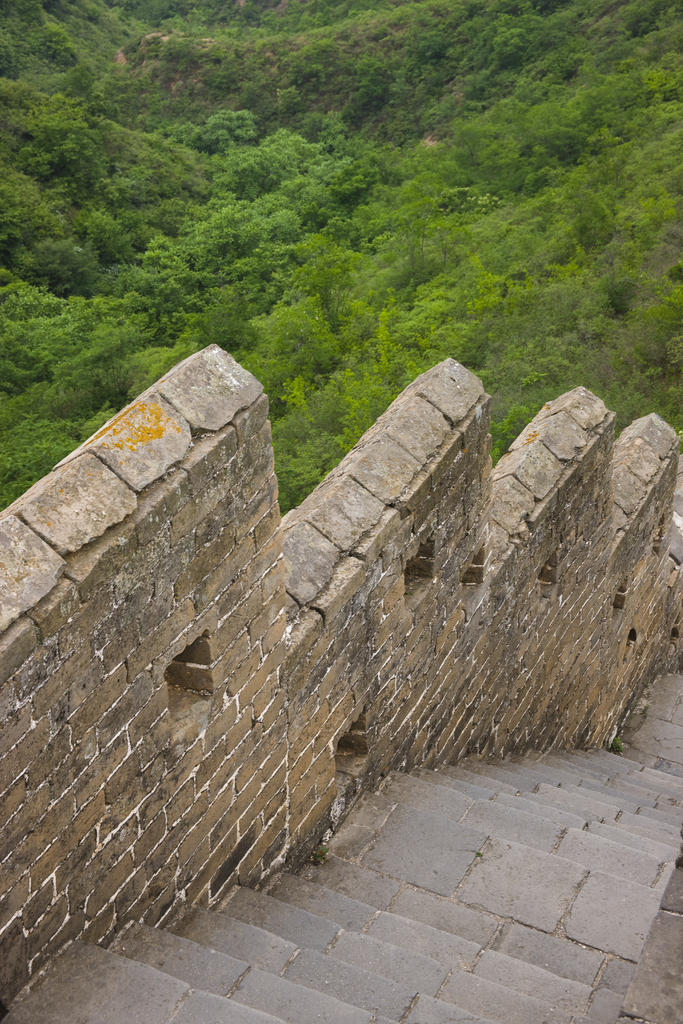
(183, 706)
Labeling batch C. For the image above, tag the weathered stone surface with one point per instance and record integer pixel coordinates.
(582, 405)
(29, 569)
(561, 435)
(347, 578)
(563, 958)
(534, 466)
(76, 503)
(309, 561)
(209, 388)
(656, 992)
(416, 425)
(141, 442)
(512, 503)
(450, 387)
(383, 467)
(639, 457)
(604, 899)
(629, 490)
(341, 510)
(654, 431)
(673, 896)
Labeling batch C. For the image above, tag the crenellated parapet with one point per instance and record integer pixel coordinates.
(192, 690)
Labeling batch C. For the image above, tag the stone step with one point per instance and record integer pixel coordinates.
(533, 980)
(282, 919)
(295, 1004)
(662, 851)
(614, 792)
(611, 797)
(226, 934)
(461, 774)
(560, 956)
(577, 802)
(351, 915)
(418, 937)
(643, 825)
(673, 817)
(421, 973)
(633, 782)
(499, 776)
(440, 778)
(666, 783)
(350, 984)
(556, 814)
(353, 880)
(90, 985)
(506, 822)
(437, 799)
(481, 996)
(565, 761)
(197, 966)
(446, 915)
(436, 1011)
(598, 853)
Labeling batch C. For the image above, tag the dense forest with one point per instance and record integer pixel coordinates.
(341, 193)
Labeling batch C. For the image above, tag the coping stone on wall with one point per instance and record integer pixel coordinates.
(209, 388)
(534, 466)
(450, 388)
(582, 405)
(75, 503)
(341, 509)
(309, 561)
(638, 453)
(29, 569)
(560, 433)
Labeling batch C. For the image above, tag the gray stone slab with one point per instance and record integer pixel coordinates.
(532, 980)
(488, 999)
(656, 992)
(400, 849)
(350, 914)
(341, 510)
(204, 1008)
(557, 955)
(421, 973)
(641, 825)
(608, 798)
(181, 958)
(373, 809)
(617, 976)
(209, 388)
(29, 569)
(243, 941)
(625, 797)
(663, 697)
(673, 894)
(629, 489)
(613, 914)
(600, 854)
(351, 880)
(672, 817)
(583, 767)
(511, 503)
(420, 795)
(141, 442)
(662, 739)
(446, 915)
(559, 433)
(642, 793)
(444, 947)
(450, 387)
(289, 922)
(506, 881)
(674, 768)
(350, 984)
(76, 503)
(295, 1004)
(383, 467)
(661, 851)
(654, 431)
(440, 778)
(88, 985)
(461, 774)
(667, 783)
(350, 840)
(416, 425)
(309, 561)
(518, 779)
(605, 1006)
(435, 1011)
(563, 818)
(510, 823)
(579, 803)
(582, 405)
(534, 466)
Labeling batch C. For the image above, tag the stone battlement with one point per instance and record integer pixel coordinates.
(192, 690)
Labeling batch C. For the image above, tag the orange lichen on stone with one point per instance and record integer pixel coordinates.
(135, 426)
(533, 436)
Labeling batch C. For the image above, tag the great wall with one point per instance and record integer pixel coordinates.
(194, 691)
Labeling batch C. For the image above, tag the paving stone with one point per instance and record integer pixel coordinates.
(209, 388)
(400, 849)
(586, 768)
(75, 504)
(673, 895)
(408, 968)
(661, 851)
(617, 976)
(509, 823)
(557, 955)
(359, 883)
(612, 914)
(445, 915)
(661, 831)
(181, 958)
(441, 779)
(663, 739)
(476, 779)
(505, 881)
(600, 854)
(228, 935)
(664, 697)
(614, 792)
(435, 1011)
(532, 980)
(666, 783)
(29, 569)
(487, 998)
(293, 1003)
(290, 923)
(656, 992)
(639, 791)
(203, 1008)
(564, 818)
(605, 1006)
(444, 947)
(350, 984)
(674, 819)
(350, 840)
(516, 780)
(350, 914)
(435, 799)
(588, 807)
(106, 989)
(608, 799)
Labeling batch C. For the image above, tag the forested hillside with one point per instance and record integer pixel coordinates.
(341, 194)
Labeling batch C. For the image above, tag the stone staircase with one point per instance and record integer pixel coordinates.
(515, 892)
